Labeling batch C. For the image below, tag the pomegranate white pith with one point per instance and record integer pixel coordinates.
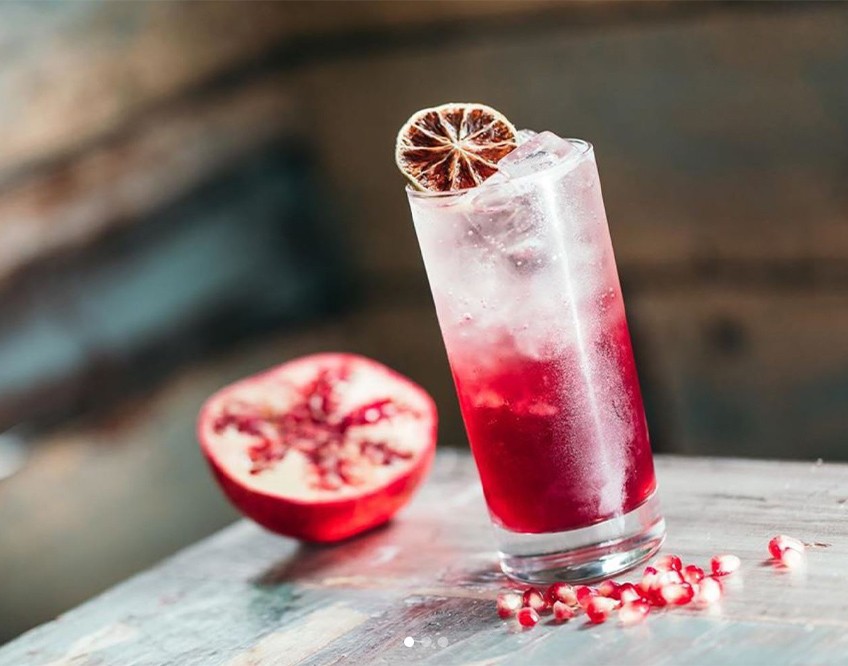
(320, 448)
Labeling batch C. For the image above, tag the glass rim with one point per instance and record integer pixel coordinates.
(583, 148)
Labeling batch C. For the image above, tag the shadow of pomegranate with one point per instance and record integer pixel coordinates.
(311, 561)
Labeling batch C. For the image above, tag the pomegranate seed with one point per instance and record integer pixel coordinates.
(655, 598)
(561, 592)
(628, 593)
(562, 611)
(534, 599)
(609, 588)
(527, 617)
(668, 563)
(584, 595)
(792, 559)
(692, 574)
(634, 612)
(509, 603)
(649, 581)
(724, 565)
(781, 543)
(677, 594)
(599, 608)
(709, 591)
(670, 577)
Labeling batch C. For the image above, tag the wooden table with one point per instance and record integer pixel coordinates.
(423, 588)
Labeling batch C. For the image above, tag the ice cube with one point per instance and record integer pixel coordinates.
(537, 153)
(524, 135)
(503, 219)
(500, 212)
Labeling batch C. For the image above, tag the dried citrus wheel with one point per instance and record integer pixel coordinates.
(453, 146)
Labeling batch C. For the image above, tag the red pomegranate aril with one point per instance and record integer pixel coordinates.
(599, 609)
(628, 593)
(633, 612)
(668, 563)
(562, 611)
(527, 617)
(534, 599)
(655, 598)
(724, 565)
(584, 595)
(650, 581)
(693, 574)
(609, 588)
(509, 604)
(709, 591)
(677, 594)
(669, 577)
(792, 559)
(561, 592)
(779, 544)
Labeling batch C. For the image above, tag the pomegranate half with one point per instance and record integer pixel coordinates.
(320, 448)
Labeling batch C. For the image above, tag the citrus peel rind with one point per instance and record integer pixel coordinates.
(453, 147)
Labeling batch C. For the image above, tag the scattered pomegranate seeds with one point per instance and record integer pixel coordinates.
(709, 591)
(633, 612)
(509, 603)
(534, 599)
(667, 583)
(724, 565)
(609, 588)
(562, 611)
(677, 594)
(561, 592)
(692, 574)
(668, 563)
(527, 617)
(599, 609)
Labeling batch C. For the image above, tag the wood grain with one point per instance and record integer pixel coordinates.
(247, 597)
(720, 137)
(138, 171)
(78, 71)
(744, 371)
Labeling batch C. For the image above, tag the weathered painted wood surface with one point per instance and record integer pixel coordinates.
(421, 590)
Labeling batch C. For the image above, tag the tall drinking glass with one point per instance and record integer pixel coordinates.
(529, 304)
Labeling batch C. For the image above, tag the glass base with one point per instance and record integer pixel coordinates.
(585, 554)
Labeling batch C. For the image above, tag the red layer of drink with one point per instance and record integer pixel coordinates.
(560, 443)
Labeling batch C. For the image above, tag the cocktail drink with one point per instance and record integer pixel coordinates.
(524, 281)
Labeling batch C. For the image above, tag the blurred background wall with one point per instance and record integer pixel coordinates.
(192, 191)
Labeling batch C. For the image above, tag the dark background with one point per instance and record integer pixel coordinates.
(191, 192)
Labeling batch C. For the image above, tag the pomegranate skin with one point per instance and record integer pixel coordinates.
(324, 520)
